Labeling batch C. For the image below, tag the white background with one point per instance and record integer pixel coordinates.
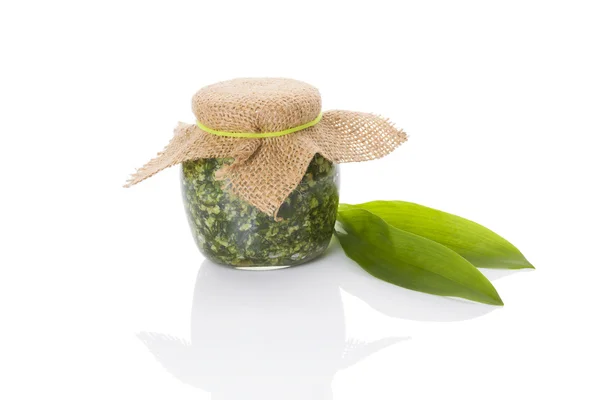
(104, 295)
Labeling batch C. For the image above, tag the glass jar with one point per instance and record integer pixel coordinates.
(227, 230)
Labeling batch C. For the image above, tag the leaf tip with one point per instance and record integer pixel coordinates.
(492, 299)
(495, 299)
(522, 264)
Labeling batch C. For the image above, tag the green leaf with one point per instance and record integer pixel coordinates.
(408, 260)
(482, 247)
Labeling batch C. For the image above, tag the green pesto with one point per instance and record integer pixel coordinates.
(230, 231)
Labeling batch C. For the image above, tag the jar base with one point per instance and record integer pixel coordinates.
(267, 268)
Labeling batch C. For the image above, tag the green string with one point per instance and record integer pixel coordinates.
(259, 135)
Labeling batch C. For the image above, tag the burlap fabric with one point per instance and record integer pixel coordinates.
(266, 170)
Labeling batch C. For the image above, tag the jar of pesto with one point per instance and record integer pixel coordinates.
(230, 231)
(259, 175)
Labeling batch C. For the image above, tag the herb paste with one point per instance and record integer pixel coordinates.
(230, 231)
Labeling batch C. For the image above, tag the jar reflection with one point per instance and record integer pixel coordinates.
(280, 335)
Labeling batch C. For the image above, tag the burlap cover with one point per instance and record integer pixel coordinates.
(266, 170)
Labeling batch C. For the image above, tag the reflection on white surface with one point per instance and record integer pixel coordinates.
(282, 334)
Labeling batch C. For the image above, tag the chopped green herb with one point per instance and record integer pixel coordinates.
(230, 231)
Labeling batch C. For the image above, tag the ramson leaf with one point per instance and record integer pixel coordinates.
(479, 245)
(408, 260)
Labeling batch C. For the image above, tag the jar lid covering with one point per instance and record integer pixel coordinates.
(256, 104)
(265, 171)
